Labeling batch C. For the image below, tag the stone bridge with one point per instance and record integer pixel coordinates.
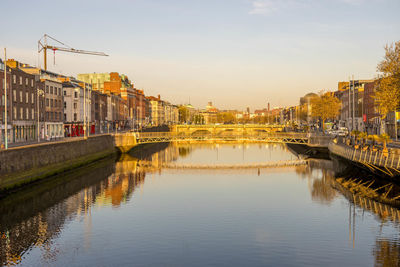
(221, 129)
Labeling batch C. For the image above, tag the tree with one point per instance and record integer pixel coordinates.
(387, 87)
(183, 114)
(226, 117)
(325, 106)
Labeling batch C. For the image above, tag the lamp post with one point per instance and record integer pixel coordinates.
(39, 93)
(5, 100)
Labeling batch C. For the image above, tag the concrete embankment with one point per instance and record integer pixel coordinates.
(23, 165)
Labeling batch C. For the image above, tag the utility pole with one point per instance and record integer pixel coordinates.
(38, 122)
(349, 110)
(5, 100)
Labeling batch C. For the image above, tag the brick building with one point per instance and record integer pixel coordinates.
(24, 87)
(2, 104)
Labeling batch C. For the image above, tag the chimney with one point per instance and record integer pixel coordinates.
(159, 97)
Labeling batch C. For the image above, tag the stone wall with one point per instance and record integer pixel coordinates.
(25, 164)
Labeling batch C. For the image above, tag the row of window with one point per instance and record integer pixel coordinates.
(53, 103)
(21, 100)
(20, 80)
(22, 113)
(53, 90)
(53, 115)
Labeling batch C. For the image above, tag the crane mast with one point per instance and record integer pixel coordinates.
(43, 46)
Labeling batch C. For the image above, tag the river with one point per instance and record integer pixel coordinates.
(147, 210)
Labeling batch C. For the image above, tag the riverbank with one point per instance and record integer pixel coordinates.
(20, 166)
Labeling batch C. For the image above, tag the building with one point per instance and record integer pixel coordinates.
(99, 111)
(50, 95)
(119, 85)
(2, 104)
(54, 108)
(372, 118)
(24, 86)
(76, 95)
(351, 96)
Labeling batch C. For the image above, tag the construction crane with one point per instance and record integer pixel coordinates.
(43, 46)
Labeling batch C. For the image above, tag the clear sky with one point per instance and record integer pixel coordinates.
(235, 53)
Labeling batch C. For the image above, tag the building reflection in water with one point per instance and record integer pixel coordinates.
(36, 217)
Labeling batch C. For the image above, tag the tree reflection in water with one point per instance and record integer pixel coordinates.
(387, 253)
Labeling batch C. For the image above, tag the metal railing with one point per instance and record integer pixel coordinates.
(387, 159)
(298, 138)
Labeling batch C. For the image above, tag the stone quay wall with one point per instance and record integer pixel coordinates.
(22, 165)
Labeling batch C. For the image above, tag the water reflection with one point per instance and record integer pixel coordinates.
(35, 219)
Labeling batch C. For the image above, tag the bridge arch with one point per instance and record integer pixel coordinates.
(199, 132)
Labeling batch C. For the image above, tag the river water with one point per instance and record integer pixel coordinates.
(145, 210)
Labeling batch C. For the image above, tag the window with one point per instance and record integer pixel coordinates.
(27, 114)
(21, 113)
(65, 92)
(75, 105)
(26, 81)
(47, 89)
(20, 80)
(33, 114)
(15, 95)
(15, 113)
(59, 90)
(26, 97)
(65, 104)
(14, 79)
(47, 116)
(76, 94)
(51, 103)
(20, 96)
(65, 117)
(51, 115)
(32, 98)
(47, 102)
(75, 116)
(31, 82)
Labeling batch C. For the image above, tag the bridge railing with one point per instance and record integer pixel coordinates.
(388, 159)
(225, 135)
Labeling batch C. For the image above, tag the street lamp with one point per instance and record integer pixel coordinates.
(39, 93)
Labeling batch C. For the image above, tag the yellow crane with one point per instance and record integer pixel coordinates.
(43, 46)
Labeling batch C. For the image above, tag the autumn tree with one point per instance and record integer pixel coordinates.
(183, 114)
(325, 106)
(387, 87)
(226, 117)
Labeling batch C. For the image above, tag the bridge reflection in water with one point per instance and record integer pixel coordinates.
(34, 218)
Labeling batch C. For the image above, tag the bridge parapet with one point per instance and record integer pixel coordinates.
(220, 128)
(125, 141)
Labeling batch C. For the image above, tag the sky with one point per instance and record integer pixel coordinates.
(235, 53)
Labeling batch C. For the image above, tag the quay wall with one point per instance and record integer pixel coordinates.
(22, 165)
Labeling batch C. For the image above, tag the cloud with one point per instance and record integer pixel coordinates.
(263, 7)
(266, 7)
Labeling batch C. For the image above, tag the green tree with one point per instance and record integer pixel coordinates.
(325, 106)
(387, 87)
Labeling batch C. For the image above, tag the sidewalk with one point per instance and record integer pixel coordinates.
(43, 141)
